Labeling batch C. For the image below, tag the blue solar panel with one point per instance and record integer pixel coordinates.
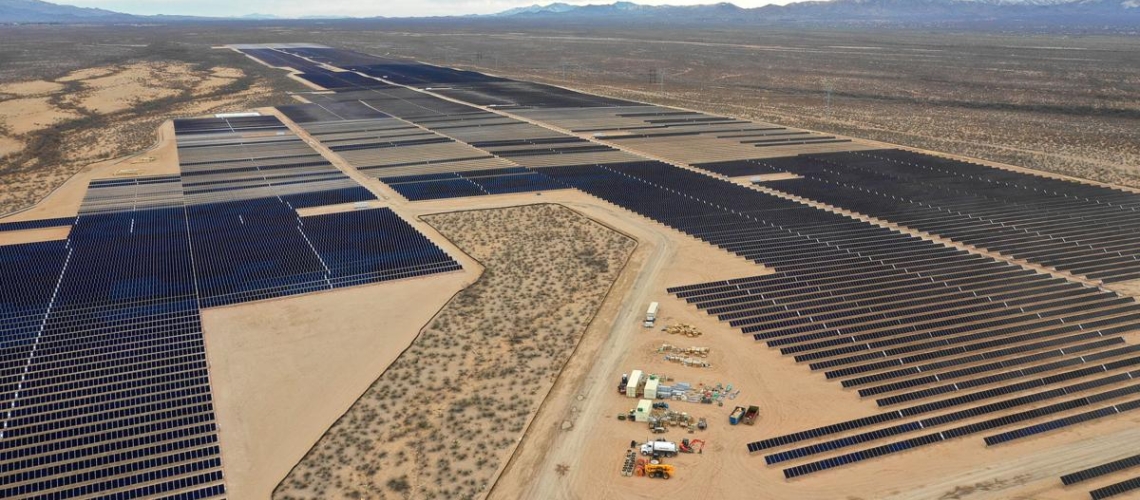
(518, 183)
(36, 224)
(433, 190)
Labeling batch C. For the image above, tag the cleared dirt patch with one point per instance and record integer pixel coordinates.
(9, 146)
(36, 87)
(133, 85)
(21, 116)
(86, 73)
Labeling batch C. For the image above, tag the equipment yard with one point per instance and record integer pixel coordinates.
(424, 282)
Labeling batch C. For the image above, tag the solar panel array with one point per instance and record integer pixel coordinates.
(686, 136)
(104, 390)
(1088, 230)
(418, 163)
(429, 148)
(104, 369)
(313, 72)
(243, 191)
(468, 86)
(972, 344)
(223, 161)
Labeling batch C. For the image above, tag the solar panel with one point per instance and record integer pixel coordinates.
(1100, 470)
(1115, 489)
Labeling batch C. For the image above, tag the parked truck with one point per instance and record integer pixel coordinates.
(660, 448)
(651, 315)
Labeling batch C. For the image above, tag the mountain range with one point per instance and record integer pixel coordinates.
(1055, 12)
(839, 11)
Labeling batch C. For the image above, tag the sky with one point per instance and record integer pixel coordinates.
(355, 8)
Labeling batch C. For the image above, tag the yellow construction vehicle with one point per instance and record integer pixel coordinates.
(663, 471)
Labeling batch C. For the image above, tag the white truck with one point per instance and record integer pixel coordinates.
(659, 447)
(651, 315)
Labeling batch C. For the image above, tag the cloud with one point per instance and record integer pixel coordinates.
(356, 8)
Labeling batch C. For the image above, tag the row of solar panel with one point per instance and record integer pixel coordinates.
(1064, 352)
(965, 414)
(232, 124)
(1101, 470)
(943, 329)
(1034, 430)
(879, 289)
(333, 80)
(1115, 489)
(1058, 316)
(985, 355)
(966, 430)
(1085, 229)
(462, 184)
(389, 144)
(832, 428)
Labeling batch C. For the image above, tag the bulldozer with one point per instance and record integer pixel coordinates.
(663, 471)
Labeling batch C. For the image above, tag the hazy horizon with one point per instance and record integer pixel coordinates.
(350, 8)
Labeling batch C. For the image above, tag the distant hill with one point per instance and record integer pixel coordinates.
(35, 11)
(1060, 12)
(835, 12)
(259, 17)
